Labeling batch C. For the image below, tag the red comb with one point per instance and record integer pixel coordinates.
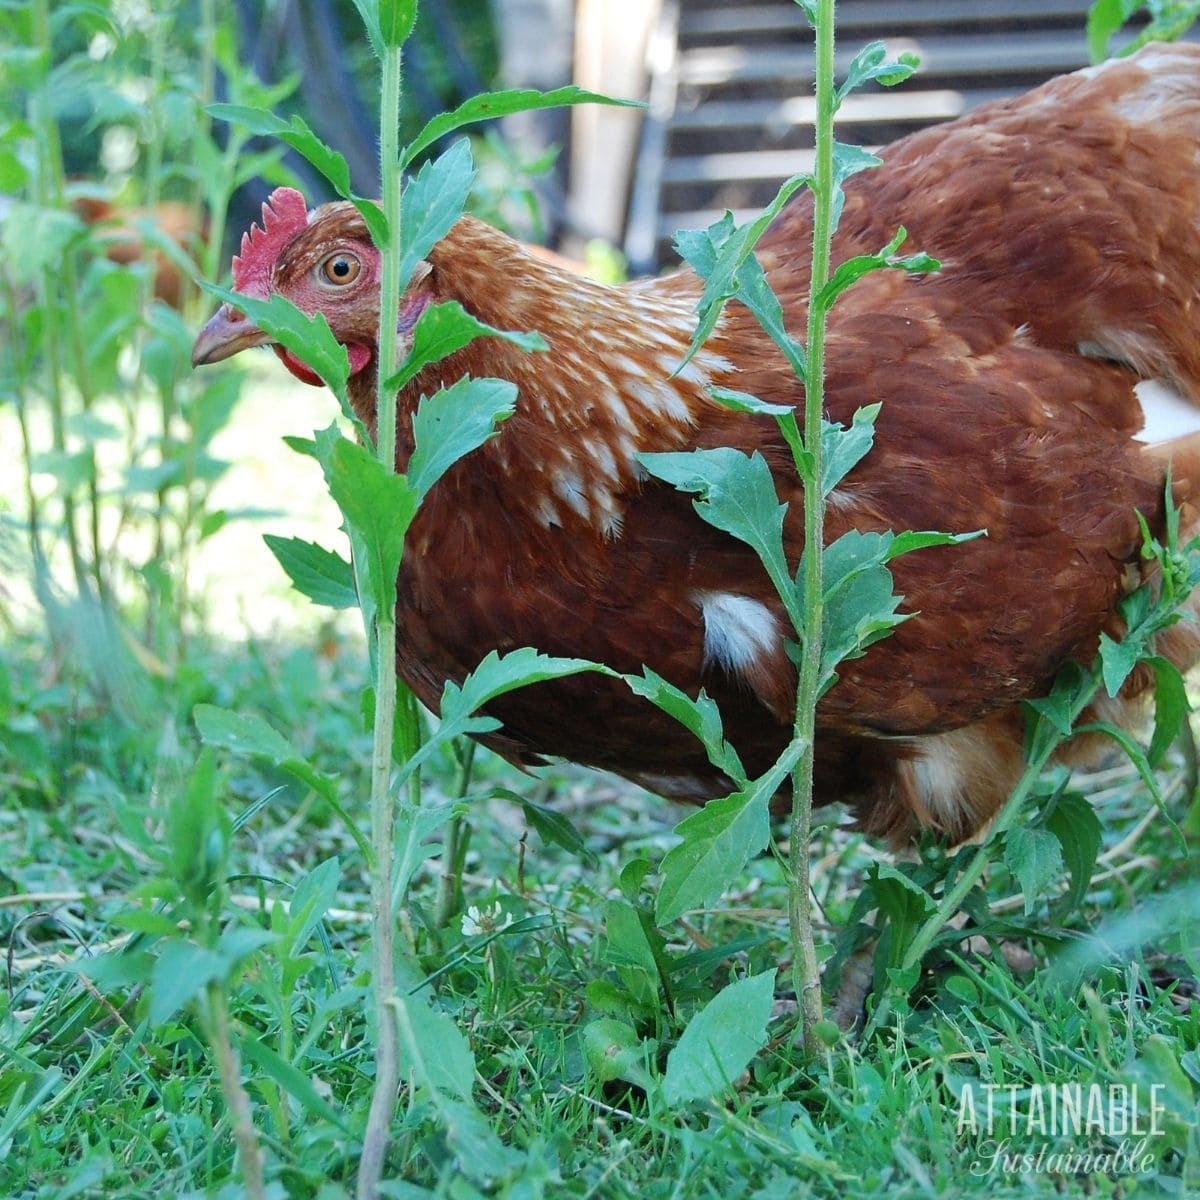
(284, 214)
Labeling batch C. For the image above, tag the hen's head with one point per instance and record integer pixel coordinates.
(322, 261)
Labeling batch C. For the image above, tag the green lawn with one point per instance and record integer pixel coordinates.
(99, 1100)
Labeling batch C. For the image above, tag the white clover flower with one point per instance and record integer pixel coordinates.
(491, 919)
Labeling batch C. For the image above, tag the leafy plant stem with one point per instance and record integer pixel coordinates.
(455, 848)
(954, 896)
(387, 1063)
(20, 395)
(166, 397)
(54, 192)
(207, 81)
(47, 189)
(220, 1040)
(805, 971)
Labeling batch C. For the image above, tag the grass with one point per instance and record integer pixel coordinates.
(97, 1102)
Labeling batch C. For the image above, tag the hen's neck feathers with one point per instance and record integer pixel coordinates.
(605, 390)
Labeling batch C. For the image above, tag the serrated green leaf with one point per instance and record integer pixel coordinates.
(322, 575)
(1171, 707)
(871, 63)
(907, 542)
(309, 338)
(368, 11)
(848, 161)
(180, 973)
(414, 826)
(375, 220)
(723, 256)
(433, 201)
(744, 402)
(718, 841)
(250, 735)
(1058, 708)
(1035, 857)
(378, 505)
(434, 1053)
(844, 447)
(720, 1040)
(499, 673)
(860, 599)
(700, 717)
(1074, 822)
(490, 105)
(255, 120)
(296, 133)
(736, 493)
(444, 329)
(551, 825)
(293, 1081)
(242, 734)
(1105, 17)
(452, 423)
(853, 269)
(310, 900)
(1117, 661)
(496, 675)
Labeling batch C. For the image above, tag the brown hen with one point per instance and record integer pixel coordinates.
(1066, 222)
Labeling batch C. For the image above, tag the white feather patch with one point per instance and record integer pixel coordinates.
(738, 631)
(1166, 414)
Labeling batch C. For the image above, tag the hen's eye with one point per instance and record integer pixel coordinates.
(341, 268)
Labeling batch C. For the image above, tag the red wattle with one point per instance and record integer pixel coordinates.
(359, 355)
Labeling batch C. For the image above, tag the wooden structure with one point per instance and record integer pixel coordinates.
(730, 93)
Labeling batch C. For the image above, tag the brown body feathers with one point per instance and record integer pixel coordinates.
(1067, 223)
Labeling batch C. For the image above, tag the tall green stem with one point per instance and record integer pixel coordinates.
(18, 384)
(455, 850)
(805, 971)
(387, 1059)
(220, 1039)
(48, 194)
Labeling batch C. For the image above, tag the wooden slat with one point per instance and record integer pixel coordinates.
(903, 104)
(739, 20)
(940, 55)
(670, 223)
(748, 164)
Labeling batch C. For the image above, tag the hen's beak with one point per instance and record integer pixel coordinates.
(227, 333)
